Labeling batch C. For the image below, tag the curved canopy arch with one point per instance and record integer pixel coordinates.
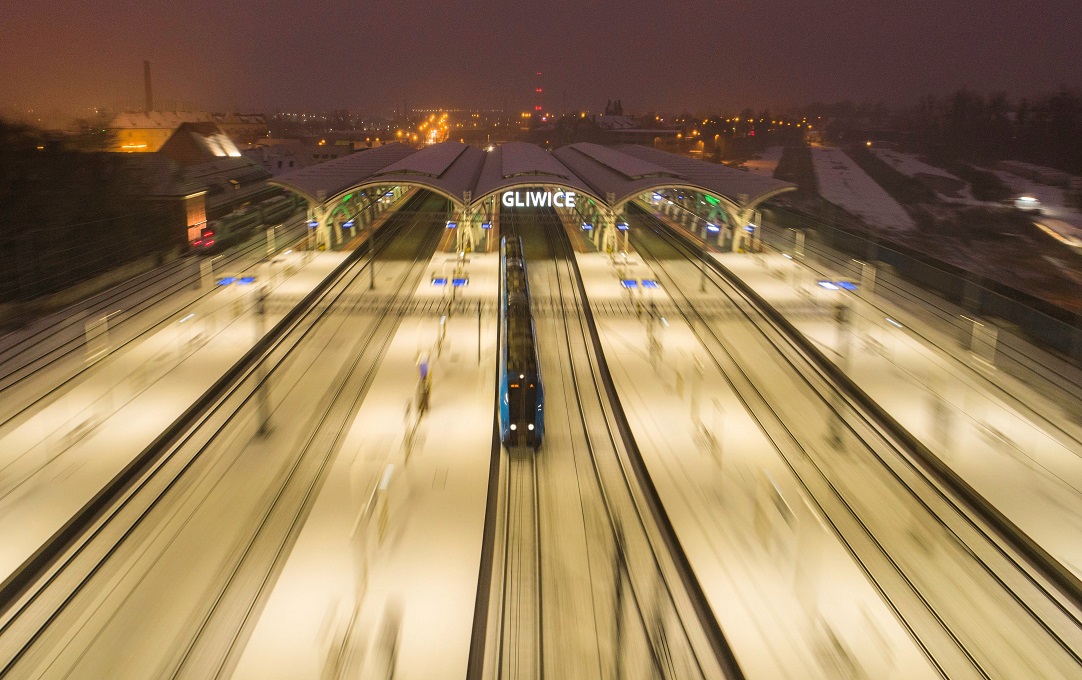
(468, 176)
(628, 170)
(518, 165)
(526, 183)
(414, 182)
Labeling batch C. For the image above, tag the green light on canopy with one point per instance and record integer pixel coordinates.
(711, 200)
(347, 197)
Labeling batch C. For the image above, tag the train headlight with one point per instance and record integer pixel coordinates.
(530, 426)
(513, 427)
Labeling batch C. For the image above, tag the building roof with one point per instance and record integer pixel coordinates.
(164, 177)
(466, 174)
(450, 168)
(743, 188)
(521, 164)
(158, 119)
(194, 143)
(326, 180)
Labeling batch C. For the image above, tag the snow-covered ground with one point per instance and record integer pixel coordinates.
(56, 458)
(766, 162)
(841, 181)
(389, 555)
(1053, 202)
(911, 166)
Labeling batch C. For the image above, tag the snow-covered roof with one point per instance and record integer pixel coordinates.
(466, 174)
(519, 164)
(325, 180)
(626, 170)
(158, 119)
(450, 168)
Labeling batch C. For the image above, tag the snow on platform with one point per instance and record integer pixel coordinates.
(1017, 458)
(57, 458)
(789, 598)
(392, 547)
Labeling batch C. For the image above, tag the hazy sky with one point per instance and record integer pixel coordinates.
(695, 54)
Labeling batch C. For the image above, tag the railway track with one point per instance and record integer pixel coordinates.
(214, 484)
(521, 651)
(975, 605)
(617, 602)
(39, 362)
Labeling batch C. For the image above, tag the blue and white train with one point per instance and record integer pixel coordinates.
(522, 398)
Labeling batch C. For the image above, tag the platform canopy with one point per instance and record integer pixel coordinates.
(518, 164)
(325, 181)
(622, 172)
(468, 175)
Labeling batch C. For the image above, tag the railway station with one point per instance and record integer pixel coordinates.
(715, 202)
(705, 502)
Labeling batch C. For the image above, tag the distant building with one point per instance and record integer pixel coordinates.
(278, 156)
(148, 132)
(605, 129)
(244, 129)
(190, 167)
(139, 132)
(621, 129)
(196, 193)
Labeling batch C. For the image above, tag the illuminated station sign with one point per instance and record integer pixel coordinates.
(538, 199)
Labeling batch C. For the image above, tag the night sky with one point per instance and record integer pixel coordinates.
(666, 56)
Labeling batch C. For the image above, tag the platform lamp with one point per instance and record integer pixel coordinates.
(711, 228)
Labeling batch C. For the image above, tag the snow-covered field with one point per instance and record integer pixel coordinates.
(766, 162)
(1053, 202)
(942, 181)
(841, 181)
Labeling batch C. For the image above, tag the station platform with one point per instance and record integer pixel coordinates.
(387, 562)
(995, 432)
(787, 594)
(57, 458)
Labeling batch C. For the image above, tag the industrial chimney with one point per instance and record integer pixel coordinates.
(146, 80)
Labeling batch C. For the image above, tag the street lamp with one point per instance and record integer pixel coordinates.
(451, 224)
(622, 226)
(486, 228)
